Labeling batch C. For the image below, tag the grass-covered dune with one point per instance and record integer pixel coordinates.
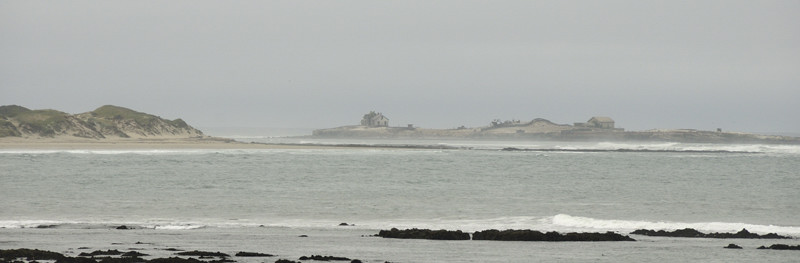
(105, 122)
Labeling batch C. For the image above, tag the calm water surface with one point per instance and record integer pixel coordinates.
(180, 197)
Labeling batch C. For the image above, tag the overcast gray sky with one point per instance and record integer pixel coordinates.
(436, 64)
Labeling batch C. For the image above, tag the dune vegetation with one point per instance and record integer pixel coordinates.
(106, 121)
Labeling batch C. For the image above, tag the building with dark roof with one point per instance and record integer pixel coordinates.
(373, 119)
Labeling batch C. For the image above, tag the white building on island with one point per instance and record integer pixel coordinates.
(597, 122)
(373, 119)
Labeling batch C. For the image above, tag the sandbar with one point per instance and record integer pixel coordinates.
(74, 143)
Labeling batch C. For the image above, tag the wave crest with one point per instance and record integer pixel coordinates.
(560, 223)
(630, 225)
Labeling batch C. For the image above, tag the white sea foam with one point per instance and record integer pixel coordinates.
(111, 152)
(560, 222)
(29, 223)
(468, 225)
(630, 225)
(667, 146)
(141, 152)
(159, 224)
(177, 227)
(478, 145)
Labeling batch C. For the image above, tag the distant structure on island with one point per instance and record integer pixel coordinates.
(373, 119)
(598, 128)
(597, 122)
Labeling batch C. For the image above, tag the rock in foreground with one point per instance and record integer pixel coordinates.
(28, 254)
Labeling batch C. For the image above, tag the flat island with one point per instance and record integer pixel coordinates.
(114, 127)
(376, 125)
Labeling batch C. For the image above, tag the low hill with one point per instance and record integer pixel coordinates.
(105, 122)
(542, 129)
(509, 129)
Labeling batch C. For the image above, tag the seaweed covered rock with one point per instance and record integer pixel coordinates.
(102, 253)
(746, 234)
(252, 254)
(324, 258)
(686, 232)
(733, 246)
(76, 260)
(203, 254)
(424, 234)
(29, 254)
(134, 254)
(122, 260)
(689, 232)
(175, 260)
(781, 247)
(533, 235)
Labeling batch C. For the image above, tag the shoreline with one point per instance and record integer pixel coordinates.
(207, 143)
(127, 144)
(295, 244)
(219, 143)
(554, 132)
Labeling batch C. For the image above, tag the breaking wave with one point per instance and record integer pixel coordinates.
(456, 145)
(630, 225)
(560, 222)
(138, 152)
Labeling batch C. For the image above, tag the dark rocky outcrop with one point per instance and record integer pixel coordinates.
(781, 247)
(176, 260)
(424, 234)
(686, 232)
(203, 254)
(28, 254)
(286, 261)
(533, 235)
(134, 254)
(746, 234)
(76, 260)
(121, 260)
(324, 258)
(734, 246)
(689, 232)
(252, 254)
(102, 253)
(34, 255)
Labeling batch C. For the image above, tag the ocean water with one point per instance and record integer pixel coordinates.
(263, 200)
